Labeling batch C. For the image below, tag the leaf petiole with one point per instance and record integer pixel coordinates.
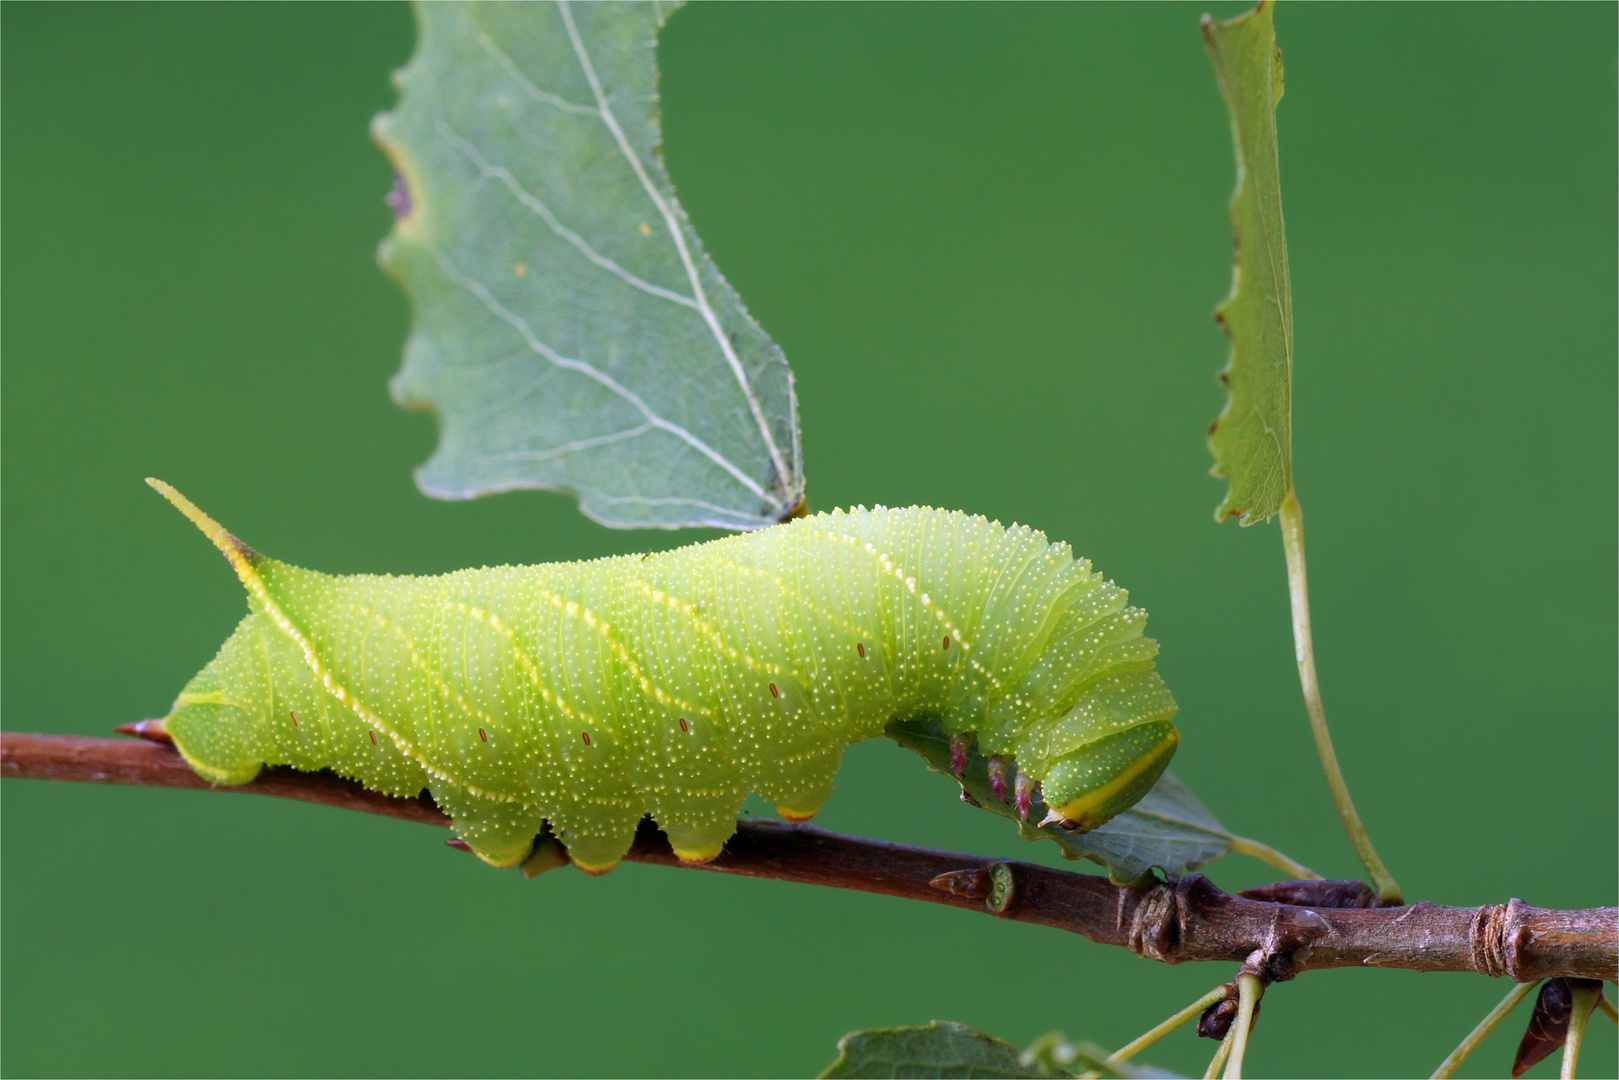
(1249, 990)
(1217, 1062)
(1267, 854)
(1448, 1067)
(1388, 890)
(1586, 996)
(1606, 1008)
(1135, 1046)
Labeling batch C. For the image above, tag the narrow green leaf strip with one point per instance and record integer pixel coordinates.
(1252, 439)
(569, 330)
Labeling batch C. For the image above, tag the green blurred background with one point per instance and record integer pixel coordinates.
(989, 238)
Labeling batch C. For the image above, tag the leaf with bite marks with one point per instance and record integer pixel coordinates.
(569, 330)
(1252, 439)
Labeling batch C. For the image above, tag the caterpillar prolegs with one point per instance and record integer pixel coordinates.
(583, 696)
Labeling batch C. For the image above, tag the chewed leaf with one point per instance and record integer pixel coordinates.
(1168, 829)
(938, 1049)
(1252, 439)
(569, 330)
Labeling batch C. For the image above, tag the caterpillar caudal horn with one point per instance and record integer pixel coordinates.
(587, 695)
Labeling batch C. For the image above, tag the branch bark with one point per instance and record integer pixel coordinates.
(1175, 922)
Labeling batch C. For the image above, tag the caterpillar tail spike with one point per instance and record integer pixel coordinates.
(233, 549)
(568, 701)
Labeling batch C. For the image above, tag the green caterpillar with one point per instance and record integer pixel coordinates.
(584, 696)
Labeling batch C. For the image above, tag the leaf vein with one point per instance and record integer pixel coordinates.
(527, 198)
(496, 54)
(590, 371)
(680, 241)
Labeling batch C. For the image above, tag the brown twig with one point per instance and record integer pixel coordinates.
(1175, 922)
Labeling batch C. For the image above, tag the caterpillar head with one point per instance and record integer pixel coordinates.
(1089, 785)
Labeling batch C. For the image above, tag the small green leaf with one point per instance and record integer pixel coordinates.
(1055, 1053)
(569, 330)
(1168, 829)
(1252, 439)
(938, 1049)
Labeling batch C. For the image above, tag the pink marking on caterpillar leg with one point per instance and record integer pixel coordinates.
(150, 730)
(958, 753)
(1025, 794)
(997, 776)
(458, 844)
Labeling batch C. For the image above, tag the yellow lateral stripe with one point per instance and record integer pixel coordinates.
(493, 621)
(798, 598)
(675, 603)
(575, 610)
(417, 661)
(242, 558)
(1079, 806)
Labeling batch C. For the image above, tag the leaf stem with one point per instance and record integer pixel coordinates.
(1448, 1067)
(1298, 587)
(1217, 1062)
(1135, 1046)
(1181, 921)
(1606, 1008)
(1249, 990)
(1585, 999)
(1267, 854)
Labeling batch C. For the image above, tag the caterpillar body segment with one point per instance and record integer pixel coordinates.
(588, 695)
